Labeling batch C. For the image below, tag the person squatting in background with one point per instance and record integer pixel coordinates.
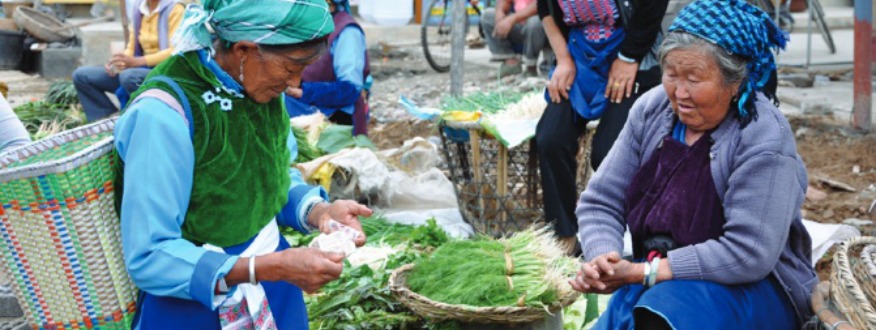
(339, 82)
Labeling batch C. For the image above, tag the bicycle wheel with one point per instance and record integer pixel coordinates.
(818, 17)
(435, 35)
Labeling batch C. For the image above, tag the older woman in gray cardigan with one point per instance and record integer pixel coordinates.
(707, 177)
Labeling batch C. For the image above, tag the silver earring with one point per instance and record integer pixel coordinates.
(241, 72)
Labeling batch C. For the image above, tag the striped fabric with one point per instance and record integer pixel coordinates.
(741, 29)
(596, 17)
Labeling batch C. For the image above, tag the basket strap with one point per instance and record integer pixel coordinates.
(180, 103)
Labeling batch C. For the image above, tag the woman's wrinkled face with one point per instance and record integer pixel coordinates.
(266, 75)
(695, 86)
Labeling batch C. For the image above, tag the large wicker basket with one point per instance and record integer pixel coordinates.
(499, 189)
(853, 281)
(61, 244)
(426, 307)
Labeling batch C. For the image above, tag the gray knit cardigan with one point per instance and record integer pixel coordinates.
(760, 180)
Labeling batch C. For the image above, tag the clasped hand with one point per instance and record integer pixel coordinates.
(605, 274)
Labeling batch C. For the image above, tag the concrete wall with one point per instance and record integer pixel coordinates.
(96, 39)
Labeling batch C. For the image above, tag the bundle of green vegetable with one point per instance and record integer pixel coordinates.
(487, 102)
(54, 115)
(306, 150)
(62, 92)
(529, 269)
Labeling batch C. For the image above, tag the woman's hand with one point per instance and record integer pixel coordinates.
(561, 81)
(346, 212)
(606, 273)
(621, 78)
(122, 61)
(295, 92)
(307, 268)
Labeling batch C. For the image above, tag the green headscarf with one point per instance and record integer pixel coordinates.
(267, 22)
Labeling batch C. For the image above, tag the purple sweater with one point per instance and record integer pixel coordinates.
(760, 179)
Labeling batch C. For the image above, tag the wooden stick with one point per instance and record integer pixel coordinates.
(502, 169)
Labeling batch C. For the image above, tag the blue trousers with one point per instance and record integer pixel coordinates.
(690, 304)
(92, 83)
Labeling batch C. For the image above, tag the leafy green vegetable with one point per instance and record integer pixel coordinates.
(487, 102)
(306, 151)
(581, 312)
(337, 137)
(361, 299)
(42, 118)
(62, 93)
(429, 235)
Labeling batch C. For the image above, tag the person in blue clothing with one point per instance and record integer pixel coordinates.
(337, 84)
(206, 179)
(606, 59)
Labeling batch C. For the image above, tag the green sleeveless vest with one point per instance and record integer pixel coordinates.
(241, 176)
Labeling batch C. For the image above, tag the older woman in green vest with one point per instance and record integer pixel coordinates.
(205, 150)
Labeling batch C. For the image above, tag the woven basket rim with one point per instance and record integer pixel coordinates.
(398, 287)
(844, 283)
(62, 164)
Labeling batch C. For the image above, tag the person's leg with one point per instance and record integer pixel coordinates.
(759, 305)
(646, 319)
(534, 40)
(556, 138)
(500, 48)
(613, 119)
(131, 79)
(618, 314)
(91, 84)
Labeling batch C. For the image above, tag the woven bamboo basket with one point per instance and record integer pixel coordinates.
(42, 26)
(61, 246)
(426, 307)
(853, 281)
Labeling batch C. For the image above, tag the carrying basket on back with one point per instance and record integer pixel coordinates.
(61, 242)
(853, 281)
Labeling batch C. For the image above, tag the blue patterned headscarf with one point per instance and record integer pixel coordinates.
(740, 29)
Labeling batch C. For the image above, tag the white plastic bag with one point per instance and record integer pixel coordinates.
(341, 239)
